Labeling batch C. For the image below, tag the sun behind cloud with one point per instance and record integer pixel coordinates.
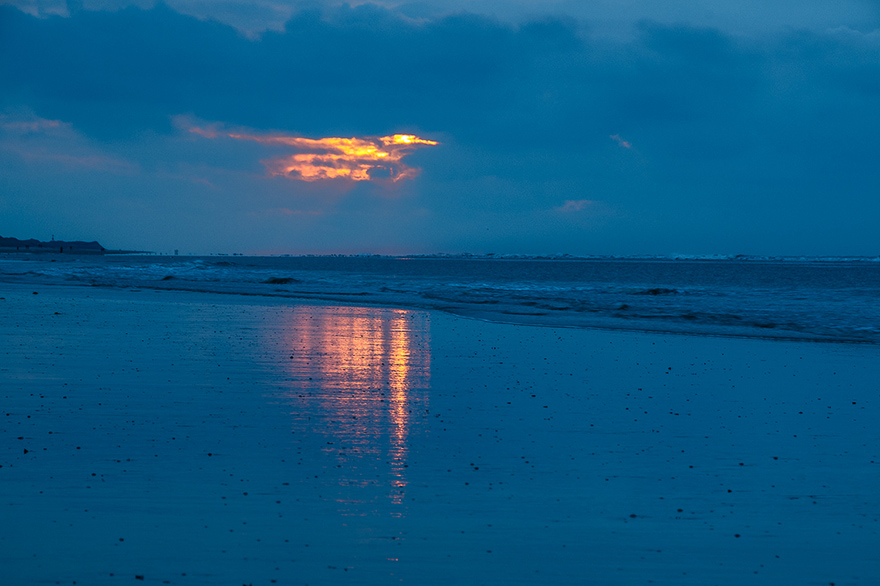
(316, 159)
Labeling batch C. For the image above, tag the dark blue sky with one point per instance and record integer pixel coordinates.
(612, 127)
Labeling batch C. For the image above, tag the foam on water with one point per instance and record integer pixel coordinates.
(807, 298)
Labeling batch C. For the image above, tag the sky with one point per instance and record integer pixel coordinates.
(622, 127)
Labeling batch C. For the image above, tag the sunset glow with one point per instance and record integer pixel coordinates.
(354, 159)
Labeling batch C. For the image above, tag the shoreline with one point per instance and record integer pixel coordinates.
(197, 438)
(605, 324)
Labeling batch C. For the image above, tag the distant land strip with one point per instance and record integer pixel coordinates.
(58, 246)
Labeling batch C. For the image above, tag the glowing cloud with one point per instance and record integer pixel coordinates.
(354, 159)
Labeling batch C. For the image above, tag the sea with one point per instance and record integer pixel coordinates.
(817, 299)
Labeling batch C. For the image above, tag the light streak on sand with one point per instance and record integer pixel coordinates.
(355, 159)
(365, 371)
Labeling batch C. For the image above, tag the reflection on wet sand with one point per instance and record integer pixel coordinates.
(360, 376)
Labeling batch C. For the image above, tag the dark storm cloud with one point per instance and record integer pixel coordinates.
(359, 70)
(367, 70)
(113, 74)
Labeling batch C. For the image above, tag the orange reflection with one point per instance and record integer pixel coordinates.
(366, 372)
(356, 159)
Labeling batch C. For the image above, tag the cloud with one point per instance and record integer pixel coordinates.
(70, 161)
(575, 205)
(357, 70)
(543, 87)
(33, 139)
(354, 159)
(620, 141)
(32, 125)
(282, 211)
(41, 8)
(606, 17)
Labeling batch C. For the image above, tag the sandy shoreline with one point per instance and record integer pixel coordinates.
(201, 439)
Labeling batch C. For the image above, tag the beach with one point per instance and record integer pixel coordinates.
(181, 437)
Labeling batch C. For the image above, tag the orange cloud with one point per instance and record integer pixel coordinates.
(354, 159)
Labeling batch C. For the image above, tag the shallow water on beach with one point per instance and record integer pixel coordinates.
(360, 377)
(203, 439)
(815, 299)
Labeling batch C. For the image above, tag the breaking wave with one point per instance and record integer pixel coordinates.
(815, 298)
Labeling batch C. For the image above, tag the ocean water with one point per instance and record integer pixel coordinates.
(813, 299)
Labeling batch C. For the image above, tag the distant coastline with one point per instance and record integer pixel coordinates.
(8, 244)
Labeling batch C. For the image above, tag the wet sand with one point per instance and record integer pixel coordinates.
(185, 438)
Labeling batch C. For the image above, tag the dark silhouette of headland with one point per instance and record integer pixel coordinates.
(8, 244)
